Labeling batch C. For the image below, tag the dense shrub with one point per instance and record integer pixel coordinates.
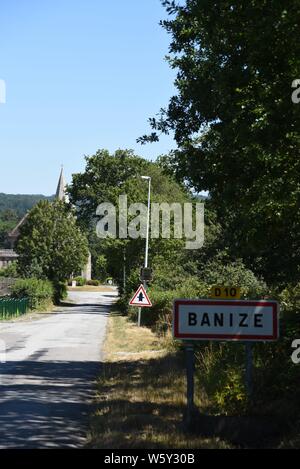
(93, 283)
(290, 302)
(160, 315)
(221, 366)
(275, 359)
(171, 282)
(221, 271)
(39, 292)
(60, 291)
(11, 271)
(221, 369)
(80, 281)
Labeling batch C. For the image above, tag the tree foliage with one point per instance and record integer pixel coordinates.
(51, 246)
(8, 220)
(236, 127)
(106, 177)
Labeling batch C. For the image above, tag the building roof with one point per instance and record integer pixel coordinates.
(60, 195)
(16, 230)
(61, 187)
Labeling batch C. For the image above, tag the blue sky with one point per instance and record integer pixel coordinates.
(80, 75)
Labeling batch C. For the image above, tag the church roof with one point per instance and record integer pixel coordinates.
(15, 231)
(60, 195)
(61, 187)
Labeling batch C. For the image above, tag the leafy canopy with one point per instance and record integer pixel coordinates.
(51, 245)
(236, 127)
(106, 177)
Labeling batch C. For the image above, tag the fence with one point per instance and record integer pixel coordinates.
(13, 307)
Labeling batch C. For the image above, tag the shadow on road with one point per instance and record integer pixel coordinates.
(43, 406)
(83, 309)
(46, 403)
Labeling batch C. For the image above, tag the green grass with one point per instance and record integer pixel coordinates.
(141, 394)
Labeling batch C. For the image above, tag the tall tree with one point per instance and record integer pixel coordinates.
(103, 180)
(106, 177)
(235, 124)
(51, 245)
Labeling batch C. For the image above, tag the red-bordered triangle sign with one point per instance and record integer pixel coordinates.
(140, 298)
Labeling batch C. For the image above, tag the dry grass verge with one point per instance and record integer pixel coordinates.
(141, 394)
(91, 288)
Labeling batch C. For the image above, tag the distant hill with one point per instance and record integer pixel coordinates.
(12, 209)
(20, 203)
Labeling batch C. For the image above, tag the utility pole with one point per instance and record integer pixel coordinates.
(147, 178)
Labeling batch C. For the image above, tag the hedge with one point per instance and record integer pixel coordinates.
(39, 292)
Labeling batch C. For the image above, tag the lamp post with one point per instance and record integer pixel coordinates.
(146, 178)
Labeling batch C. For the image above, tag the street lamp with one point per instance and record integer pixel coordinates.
(147, 178)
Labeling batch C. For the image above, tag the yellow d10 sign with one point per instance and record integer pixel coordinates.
(226, 293)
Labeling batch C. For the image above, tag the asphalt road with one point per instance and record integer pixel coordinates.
(47, 382)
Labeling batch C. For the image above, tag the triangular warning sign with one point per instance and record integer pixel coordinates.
(140, 298)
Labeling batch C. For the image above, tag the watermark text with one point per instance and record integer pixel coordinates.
(180, 221)
(2, 92)
(296, 92)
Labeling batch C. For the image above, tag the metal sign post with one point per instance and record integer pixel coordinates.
(141, 300)
(223, 320)
(140, 309)
(249, 369)
(190, 369)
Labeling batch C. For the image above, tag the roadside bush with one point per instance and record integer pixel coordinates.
(159, 316)
(80, 281)
(221, 271)
(60, 291)
(220, 368)
(93, 283)
(39, 292)
(281, 395)
(11, 271)
(290, 301)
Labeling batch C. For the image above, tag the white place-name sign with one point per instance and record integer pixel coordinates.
(226, 320)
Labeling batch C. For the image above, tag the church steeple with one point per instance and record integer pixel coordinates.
(61, 187)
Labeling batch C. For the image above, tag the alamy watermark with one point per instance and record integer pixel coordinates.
(296, 92)
(296, 353)
(132, 222)
(2, 92)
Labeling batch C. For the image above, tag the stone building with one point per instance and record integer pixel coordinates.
(7, 256)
